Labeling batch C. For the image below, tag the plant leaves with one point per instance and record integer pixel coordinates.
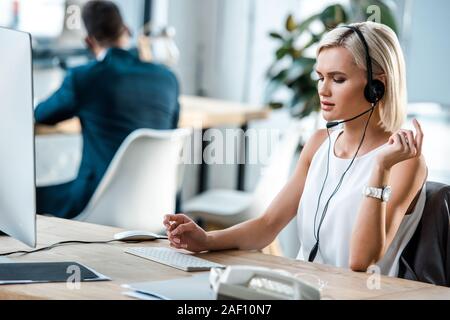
(276, 35)
(276, 105)
(306, 23)
(302, 65)
(271, 88)
(291, 25)
(281, 76)
(311, 104)
(315, 38)
(295, 54)
(280, 53)
(333, 15)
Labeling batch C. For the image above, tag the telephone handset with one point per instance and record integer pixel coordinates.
(259, 283)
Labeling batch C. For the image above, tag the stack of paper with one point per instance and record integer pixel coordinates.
(174, 289)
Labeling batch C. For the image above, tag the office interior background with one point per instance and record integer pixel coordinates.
(221, 49)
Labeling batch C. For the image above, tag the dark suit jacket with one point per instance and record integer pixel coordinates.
(112, 98)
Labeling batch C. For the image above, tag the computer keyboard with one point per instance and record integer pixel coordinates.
(174, 258)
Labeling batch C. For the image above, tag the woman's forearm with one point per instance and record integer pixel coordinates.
(249, 235)
(369, 232)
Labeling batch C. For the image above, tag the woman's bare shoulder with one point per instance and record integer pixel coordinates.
(314, 143)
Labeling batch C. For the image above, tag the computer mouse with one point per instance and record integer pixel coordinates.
(138, 235)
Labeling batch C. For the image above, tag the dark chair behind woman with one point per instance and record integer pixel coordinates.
(426, 258)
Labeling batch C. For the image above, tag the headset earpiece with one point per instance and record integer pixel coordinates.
(374, 92)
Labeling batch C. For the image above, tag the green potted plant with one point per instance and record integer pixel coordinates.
(293, 68)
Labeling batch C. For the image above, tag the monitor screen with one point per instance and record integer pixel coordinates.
(17, 177)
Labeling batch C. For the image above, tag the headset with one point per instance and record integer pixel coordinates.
(373, 92)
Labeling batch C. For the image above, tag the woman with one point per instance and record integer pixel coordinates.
(338, 224)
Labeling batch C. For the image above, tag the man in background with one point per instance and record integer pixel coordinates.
(112, 96)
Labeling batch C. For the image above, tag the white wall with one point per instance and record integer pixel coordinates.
(427, 48)
(224, 45)
(225, 52)
(133, 14)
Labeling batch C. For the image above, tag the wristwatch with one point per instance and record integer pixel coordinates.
(383, 194)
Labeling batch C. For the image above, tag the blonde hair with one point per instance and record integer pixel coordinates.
(387, 59)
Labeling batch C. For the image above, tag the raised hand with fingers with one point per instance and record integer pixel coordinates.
(403, 145)
(184, 233)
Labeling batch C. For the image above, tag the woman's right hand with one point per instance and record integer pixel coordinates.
(184, 233)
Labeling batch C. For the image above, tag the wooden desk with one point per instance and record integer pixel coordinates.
(124, 268)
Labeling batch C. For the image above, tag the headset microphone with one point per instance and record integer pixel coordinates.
(335, 123)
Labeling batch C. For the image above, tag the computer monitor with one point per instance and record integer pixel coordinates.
(17, 157)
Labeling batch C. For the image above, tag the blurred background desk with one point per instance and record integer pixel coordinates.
(196, 112)
(122, 268)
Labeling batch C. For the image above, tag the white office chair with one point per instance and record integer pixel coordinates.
(140, 185)
(229, 207)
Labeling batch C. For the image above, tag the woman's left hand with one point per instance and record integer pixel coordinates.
(403, 145)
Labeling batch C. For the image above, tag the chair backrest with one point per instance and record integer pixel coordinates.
(426, 258)
(277, 173)
(139, 187)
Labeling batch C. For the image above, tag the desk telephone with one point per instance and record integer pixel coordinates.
(259, 283)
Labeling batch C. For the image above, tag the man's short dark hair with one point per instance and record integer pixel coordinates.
(103, 21)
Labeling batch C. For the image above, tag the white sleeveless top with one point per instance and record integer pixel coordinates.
(336, 229)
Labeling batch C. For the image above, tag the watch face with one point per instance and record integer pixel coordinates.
(387, 193)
